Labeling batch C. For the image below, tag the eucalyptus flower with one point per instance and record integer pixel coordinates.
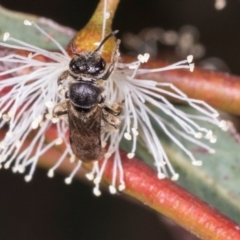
(29, 92)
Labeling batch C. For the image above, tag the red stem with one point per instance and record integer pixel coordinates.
(167, 198)
(174, 202)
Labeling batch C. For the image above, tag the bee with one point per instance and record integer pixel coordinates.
(84, 105)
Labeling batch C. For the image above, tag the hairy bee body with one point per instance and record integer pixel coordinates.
(84, 103)
(85, 130)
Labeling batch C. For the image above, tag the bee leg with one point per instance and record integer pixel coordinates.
(114, 59)
(110, 115)
(60, 110)
(114, 112)
(63, 77)
(112, 121)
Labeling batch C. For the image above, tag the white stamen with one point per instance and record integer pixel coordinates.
(112, 189)
(9, 134)
(14, 169)
(27, 23)
(212, 151)
(58, 141)
(215, 115)
(96, 192)
(55, 120)
(128, 136)
(90, 176)
(30, 55)
(160, 163)
(6, 36)
(20, 168)
(220, 4)
(28, 92)
(191, 67)
(209, 134)
(104, 144)
(6, 117)
(121, 187)
(107, 155)
(146, 57)
(28, 178)
(41, 124)
(130, 155)
(133, 66)
(18, 144)
(34, 124)
(190, 58)
(143, 58)
(161, 175)
(213, 139)
(11, 114)
(49, 104)
(97, 180)
(198, 135)
(68, 180)
(135, 132)
(50, 173)
(175, 177)
(7, 165)
(39, 118)
(72, 159)
(197, 163)
(49, 116)
(2, 145)
(107, 15)
(223, 125)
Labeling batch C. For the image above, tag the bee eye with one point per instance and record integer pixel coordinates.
(98, 66)
(103, 63)
(73, 67)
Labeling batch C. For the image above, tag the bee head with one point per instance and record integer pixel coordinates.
(89, 64)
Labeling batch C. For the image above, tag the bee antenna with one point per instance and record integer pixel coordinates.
(113, 33)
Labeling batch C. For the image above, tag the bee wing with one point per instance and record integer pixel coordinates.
(85, 135)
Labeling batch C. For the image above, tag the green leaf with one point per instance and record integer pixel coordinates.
(12, 22)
